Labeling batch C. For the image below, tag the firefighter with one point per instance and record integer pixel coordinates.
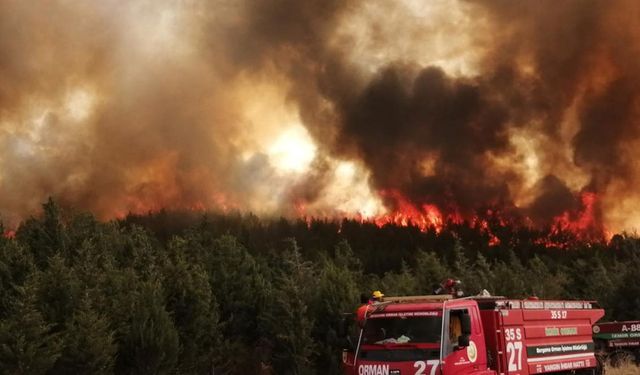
(455, 329)
(376, 296)
(452, 287)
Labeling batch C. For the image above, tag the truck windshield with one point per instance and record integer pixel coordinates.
(402, 330)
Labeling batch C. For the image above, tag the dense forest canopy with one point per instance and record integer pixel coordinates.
(185, 292)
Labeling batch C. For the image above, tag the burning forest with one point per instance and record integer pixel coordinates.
(226, 177)
(407, 112)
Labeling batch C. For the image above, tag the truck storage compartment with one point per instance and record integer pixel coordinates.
(533, 337)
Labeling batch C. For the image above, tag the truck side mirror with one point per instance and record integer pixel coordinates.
(465, 323)
(346, 344)
(343, 326)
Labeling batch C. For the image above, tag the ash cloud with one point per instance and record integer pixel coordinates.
(517, 105)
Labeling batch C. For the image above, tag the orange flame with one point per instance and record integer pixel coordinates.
(407, 214)
(483, 225)
(581, 225)
(566, 229)
(585, 220)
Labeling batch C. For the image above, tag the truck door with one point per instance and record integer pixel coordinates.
(461, 342)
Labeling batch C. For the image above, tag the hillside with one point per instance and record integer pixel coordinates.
(178, 292)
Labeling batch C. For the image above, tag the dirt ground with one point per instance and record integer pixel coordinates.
(628, 369)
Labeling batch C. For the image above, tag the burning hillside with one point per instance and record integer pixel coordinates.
(407, 112)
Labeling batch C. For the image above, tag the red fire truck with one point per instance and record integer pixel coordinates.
(429, 335)
(618, 342)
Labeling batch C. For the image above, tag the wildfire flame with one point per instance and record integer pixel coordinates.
(486, 114)
(566, 228)
(428, 216)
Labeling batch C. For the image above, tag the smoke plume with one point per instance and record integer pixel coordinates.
(322, 107)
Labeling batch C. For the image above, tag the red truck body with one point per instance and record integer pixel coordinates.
(502, 336)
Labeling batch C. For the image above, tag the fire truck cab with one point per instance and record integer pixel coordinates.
(429, 335)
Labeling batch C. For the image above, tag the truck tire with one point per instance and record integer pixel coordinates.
(620, 358)
(601, 362)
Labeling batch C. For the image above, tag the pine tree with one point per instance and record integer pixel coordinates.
(58, 292)
(89, 344)
(27, 345)
(194, 310)
(482, 276)
(287, 322)
(542, 282)
(240, 295)
(150, 343)
(141, 252)
(401, 283)
(3, 238)
(44, 237)
(16, 266)
(512, 276)
(583, 285)
(429, 272)
(626, 304)
(460, 265)
(337, 293)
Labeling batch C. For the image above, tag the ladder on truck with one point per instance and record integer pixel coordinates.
(500, 342)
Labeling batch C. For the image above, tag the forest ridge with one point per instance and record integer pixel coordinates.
(236, 294)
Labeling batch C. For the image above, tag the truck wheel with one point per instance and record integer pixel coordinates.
(601, 362)
(600, 366)
(621, 358)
